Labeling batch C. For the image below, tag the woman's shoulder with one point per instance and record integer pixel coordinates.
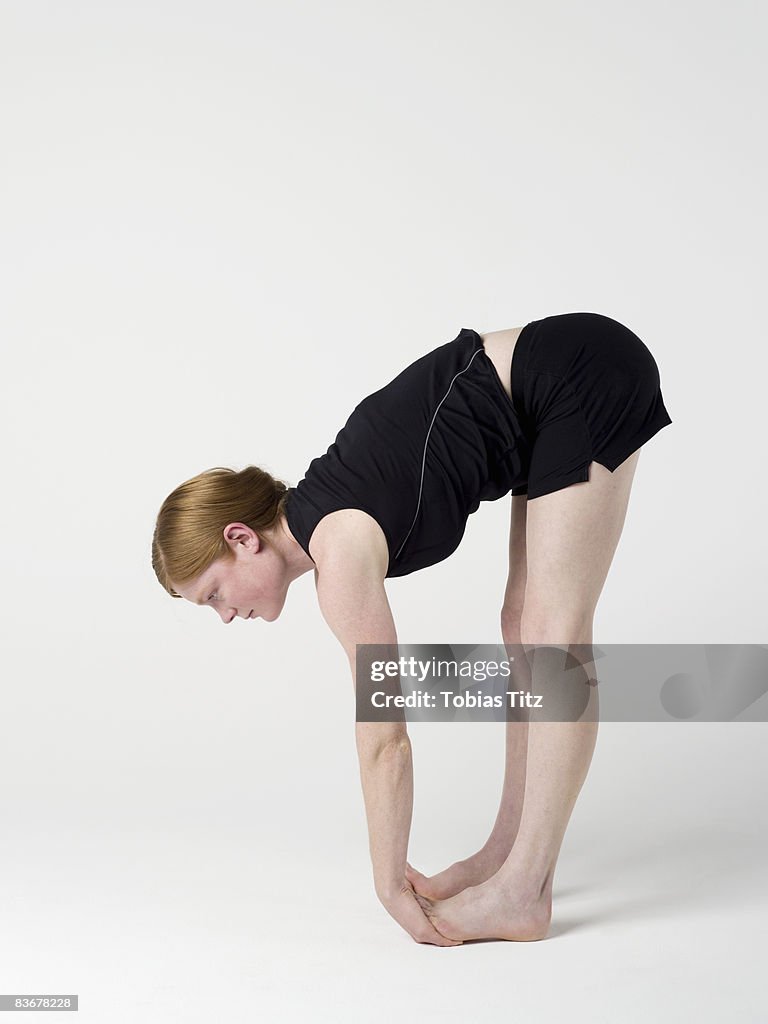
(347, 538)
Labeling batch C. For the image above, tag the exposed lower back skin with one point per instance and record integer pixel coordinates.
(499, 346)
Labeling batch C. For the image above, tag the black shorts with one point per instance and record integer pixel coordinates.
(585, 389)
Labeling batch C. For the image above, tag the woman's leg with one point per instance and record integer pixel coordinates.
(487, 861)
(571, 536)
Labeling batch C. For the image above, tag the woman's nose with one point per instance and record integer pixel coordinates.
(227, 614)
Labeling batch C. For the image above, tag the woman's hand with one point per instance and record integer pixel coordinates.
(405, 909)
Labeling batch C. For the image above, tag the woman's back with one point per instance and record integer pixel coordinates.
(419, 455)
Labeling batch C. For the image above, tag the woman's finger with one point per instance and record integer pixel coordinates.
(424, 903)
(434, 938)
(428, 933)
(421, 929)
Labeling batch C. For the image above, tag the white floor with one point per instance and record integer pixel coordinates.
(660, 907)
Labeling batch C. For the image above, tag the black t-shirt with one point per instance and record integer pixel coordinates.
(419, 455)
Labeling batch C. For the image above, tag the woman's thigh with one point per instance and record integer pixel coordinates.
(514, 594)
(571, 537)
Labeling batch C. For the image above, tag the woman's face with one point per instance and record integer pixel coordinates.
(250, 585)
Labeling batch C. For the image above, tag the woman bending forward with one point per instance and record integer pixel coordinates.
(554, 412)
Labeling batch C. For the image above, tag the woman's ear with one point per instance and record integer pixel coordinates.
(238, 534)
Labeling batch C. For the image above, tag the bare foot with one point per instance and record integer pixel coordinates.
(491, 910)
(464, 873)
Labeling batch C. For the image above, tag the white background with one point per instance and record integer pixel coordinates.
(223, 225)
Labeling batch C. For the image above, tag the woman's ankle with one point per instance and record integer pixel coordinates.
(495, 852)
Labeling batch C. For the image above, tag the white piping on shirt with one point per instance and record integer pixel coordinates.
(426, 442)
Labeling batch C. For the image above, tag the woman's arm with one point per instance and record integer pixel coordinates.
(353, 601)
(354, 604)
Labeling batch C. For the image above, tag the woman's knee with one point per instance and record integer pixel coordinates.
(559, 626)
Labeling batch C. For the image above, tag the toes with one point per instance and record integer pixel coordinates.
(423, 885)
(434, 889)
(411, 873)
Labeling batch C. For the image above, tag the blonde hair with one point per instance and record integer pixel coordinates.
(188, 533)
